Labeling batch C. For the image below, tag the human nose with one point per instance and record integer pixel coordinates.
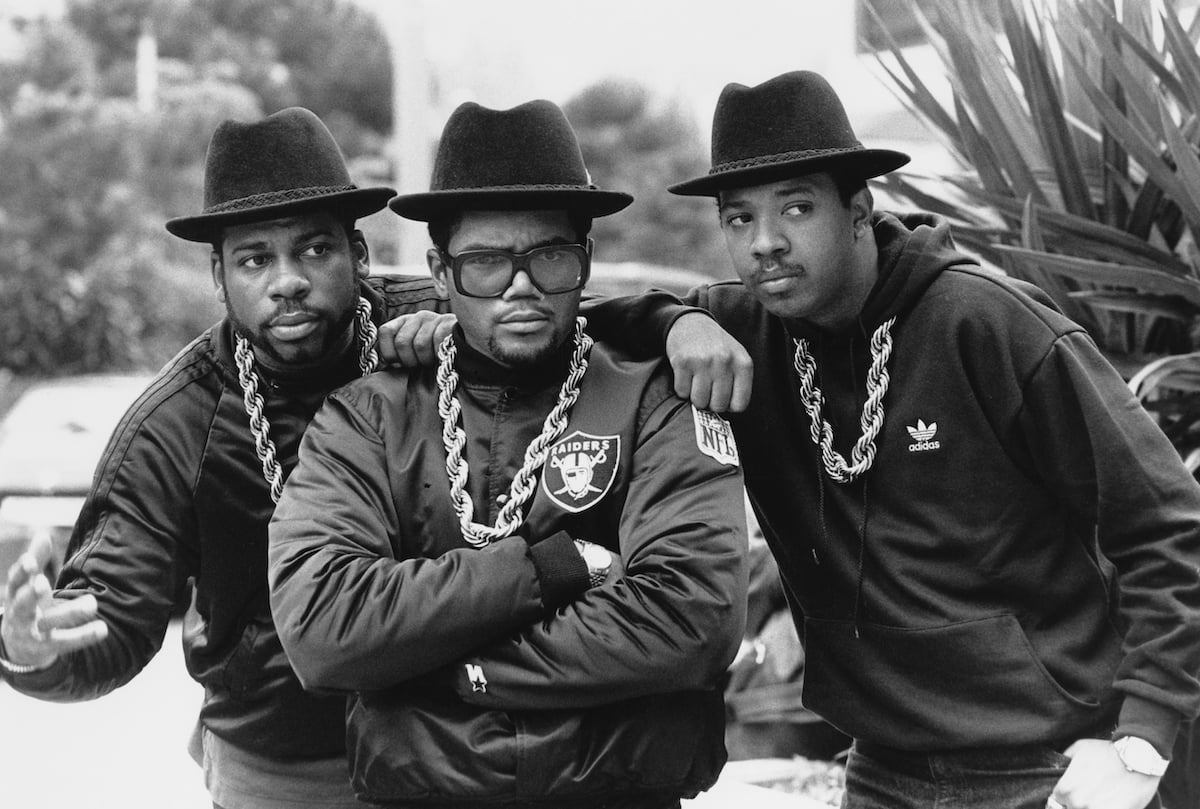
(289, 280)
(521, 285)
(767, 240)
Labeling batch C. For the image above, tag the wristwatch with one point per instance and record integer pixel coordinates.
(1139, 756)
(598, 560)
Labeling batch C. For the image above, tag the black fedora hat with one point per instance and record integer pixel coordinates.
(524, 158)
(285, 163)
(787, 126)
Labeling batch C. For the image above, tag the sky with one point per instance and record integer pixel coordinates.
(503, 53)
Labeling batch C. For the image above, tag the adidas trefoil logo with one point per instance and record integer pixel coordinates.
(923, 435)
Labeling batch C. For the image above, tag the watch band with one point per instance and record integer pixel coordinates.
(596, 576)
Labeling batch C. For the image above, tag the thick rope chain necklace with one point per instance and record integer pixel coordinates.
(863, 454)
(525, 482)
(264, 447)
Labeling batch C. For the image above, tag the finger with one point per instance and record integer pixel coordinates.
(22, 602)
(64, 612)
(386, 342)
(68, 639)
(700, 393)
(719, 396)
(683, 383)
(445, 325)
(425, 344)
(743, 382)
(38, 555)
(402, 345)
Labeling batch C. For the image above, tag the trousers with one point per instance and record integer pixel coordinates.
(994, 778)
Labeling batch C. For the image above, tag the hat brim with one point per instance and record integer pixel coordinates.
(355, 204)
(431, 204)
(863, 163)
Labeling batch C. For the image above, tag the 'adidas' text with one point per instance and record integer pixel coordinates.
(923, 435)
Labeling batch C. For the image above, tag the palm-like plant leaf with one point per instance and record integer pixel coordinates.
(1087, 181)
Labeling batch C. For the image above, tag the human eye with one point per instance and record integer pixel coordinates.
(553, 254)
(254, 261)
(797, 209)
(316, 250)
(484, 262)
(737, 220)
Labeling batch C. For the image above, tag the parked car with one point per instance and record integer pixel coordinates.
(50, 441)
(631, 277)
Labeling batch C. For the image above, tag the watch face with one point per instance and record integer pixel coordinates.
(598, 558)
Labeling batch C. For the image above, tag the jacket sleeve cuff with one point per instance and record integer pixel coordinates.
(561, 571)
(1150, 721)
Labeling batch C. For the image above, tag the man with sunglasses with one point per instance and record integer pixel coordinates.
(526, 566)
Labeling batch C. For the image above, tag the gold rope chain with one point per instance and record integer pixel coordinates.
(523, 485)
(264, 447)
(863, 454)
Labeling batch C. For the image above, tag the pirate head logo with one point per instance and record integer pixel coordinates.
(580, 469)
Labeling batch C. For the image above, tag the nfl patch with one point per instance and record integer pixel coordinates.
(579, 470)
(714, 437)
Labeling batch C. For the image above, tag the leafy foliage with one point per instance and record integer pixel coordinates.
(1079, 125)
(89, 279)
(329, 55)
(635, 142)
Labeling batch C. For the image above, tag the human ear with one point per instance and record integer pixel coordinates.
(439, 270)
(218, 274)
(862, 204)
(361, 254)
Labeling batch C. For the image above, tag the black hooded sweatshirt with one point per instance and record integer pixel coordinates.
(1021, 563)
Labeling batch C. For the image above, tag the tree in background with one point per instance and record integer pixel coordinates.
(328, 55)
(89, 279)
(635, 142)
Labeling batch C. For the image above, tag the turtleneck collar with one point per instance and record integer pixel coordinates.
(476, 367)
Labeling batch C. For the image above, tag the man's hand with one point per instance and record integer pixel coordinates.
(412, 340)
(712, 369)
(38, 627)
(1096, 779)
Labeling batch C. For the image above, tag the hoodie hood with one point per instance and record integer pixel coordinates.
(914, 249)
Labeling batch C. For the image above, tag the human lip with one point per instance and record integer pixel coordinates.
(525, 320)
(293, 325)
(778, 276)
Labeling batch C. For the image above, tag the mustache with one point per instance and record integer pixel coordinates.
(774, 266)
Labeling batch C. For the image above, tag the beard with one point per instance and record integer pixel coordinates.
(312, 350)
(523, 354)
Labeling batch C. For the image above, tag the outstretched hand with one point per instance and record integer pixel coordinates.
(712, 369)
(412, 340)
(1097, 779)
(38, 627)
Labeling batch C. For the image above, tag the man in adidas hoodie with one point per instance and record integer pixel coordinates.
(990, 549)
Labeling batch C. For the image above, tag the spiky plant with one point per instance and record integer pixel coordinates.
(1076, 122)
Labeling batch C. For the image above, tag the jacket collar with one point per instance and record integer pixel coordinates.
(477, 368)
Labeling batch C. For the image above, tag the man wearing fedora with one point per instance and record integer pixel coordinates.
(526, 566)
(990, 549)
(179, 507)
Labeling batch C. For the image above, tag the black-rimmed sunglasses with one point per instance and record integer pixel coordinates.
(553, 269)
